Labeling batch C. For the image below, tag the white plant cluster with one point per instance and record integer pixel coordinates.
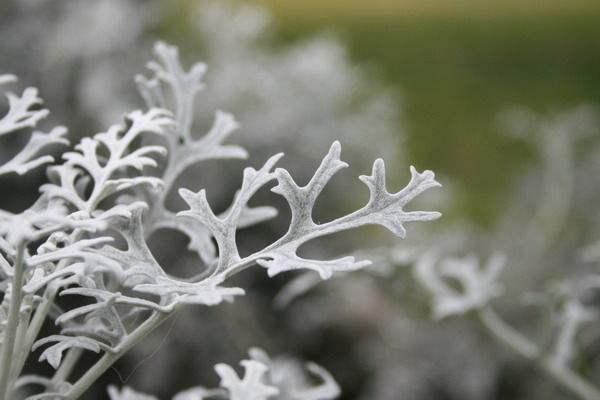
(478, 285)
(458, 286)
(110, 190)
(263, 378)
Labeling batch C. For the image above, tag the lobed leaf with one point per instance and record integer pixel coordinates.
(53, 354)
(478, 284)
(383, 208)
(251, 386)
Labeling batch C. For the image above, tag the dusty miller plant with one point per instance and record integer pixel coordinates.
(108, 192)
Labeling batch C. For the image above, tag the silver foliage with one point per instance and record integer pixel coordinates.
(478, 284)
(23, 112)
(109, 190)
(281, 378)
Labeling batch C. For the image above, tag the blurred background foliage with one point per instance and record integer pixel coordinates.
(456, 64)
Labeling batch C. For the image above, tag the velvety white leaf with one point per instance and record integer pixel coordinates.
(104, 298)
(302, 199)
(293, 379)
(20, 115)
(478, 284)
(383, 208)
(28, 159)
(88, 163)
(387, 209)
(251, 386)
(40, 221)
(208, 147)
(138, 263)
(169, 82)
(284, 259)
(224, 228)
(184, 85)
(206, 292)
(79, 249)
(53, 354)
(201, 238)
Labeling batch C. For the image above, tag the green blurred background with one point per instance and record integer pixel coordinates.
(456, 65)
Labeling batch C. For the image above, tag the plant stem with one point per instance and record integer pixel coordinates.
(155, 319)
(108, 359)
(39, 316)
(66, 366)
(13, 320)
(19, 350)
(517, 342)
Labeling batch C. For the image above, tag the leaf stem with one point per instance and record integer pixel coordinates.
(66, 367)
(19, 350)
(517, 342)
(33, 329)
(13, 320)
(108, 359)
